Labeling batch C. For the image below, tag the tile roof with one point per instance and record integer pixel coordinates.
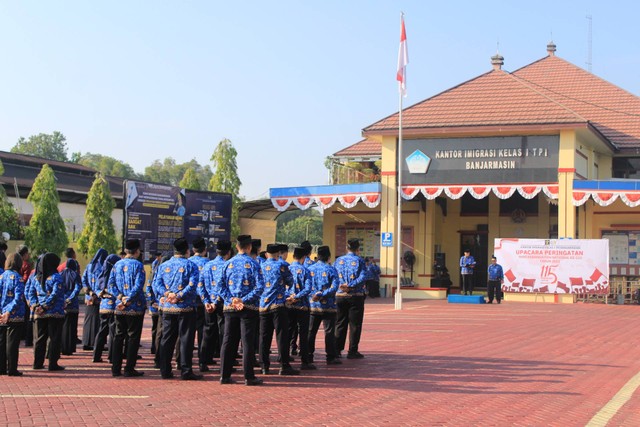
(366, 147)
(548, 91)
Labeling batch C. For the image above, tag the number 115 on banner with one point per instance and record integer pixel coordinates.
(386, 239)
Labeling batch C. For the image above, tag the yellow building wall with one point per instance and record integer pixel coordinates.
(263, 229)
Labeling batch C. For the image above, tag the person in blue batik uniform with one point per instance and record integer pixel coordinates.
(350, 297)
(208, 291)
(293, 326)
(273, 312)
(176, 284)
(467, 264)
(91, 300)
(324, 284)
(106, 310)
(12, 310)
(72, 284)
(200, 259)
(298, 304)
(241, 285)
(47, 296)
(496, 279)
(126, 284)
(152, 303)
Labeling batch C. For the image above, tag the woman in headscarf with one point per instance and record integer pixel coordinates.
(107, 308)
(92, 311)
(12, 309)
(47, 292)
(72, 285)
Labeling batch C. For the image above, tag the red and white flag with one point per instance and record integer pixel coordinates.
(403, 59)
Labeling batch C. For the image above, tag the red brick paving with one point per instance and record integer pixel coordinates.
(430, 364)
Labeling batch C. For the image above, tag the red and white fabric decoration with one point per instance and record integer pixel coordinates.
(403, 60)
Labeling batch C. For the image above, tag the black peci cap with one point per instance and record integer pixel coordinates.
(181, 245)
(256, 243)
(299, 252)
(273, 249)
(324, 251)
(199, 244)
(353, 244)
(244, 239)
(132, 244)
(223, 245)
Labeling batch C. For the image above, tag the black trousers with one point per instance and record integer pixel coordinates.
(293, 334)
(174, 326)
(91, 325)
(69, 333)
(29, 326)
(10, 336)
(239, 325)
(210, 338)
(329, 322)
(217, 350)
(48, 329)
(154, 332)
(350, 316)
(277, 319)
(299, 321)
(199, 328)
(158, 337)
(107, 329)
(494, 288)
(467, 283)
(127, 326)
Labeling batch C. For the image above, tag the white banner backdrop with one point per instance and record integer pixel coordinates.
(562, 266)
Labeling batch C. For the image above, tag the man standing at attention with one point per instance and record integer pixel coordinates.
(467, 264)
(496, 278)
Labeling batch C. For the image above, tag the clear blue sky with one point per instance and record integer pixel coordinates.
(289, 82)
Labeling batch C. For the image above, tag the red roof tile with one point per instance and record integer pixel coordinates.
(548, 91)
(366, 147)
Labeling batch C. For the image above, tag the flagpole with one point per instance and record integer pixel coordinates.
(398, 298)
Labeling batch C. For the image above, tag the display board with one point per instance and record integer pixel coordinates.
(159, 214)
(554, 266)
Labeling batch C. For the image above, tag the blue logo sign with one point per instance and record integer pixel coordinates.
(387, 239)
(418, 162)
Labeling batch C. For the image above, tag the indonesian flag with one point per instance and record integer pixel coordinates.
(403, 59)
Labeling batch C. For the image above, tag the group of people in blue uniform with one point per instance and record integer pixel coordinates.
(238, 297)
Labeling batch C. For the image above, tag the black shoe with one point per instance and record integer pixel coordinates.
(355, 355)
(288, 371)
(3, 372)
(15, 374)
(98, 360)
(256, 364)
(36, 367)
(167, 376)
(253, 381)
(67, 354)
(192, 377)
(204, 368)
(294, 351)
(339, 355)
(227, 381)
(138, 357)
(265, 371)
(133, 373)
(56, 368)
(308, 367)
(156, 365)
(334, 362)
(116, 374)
(87, 348)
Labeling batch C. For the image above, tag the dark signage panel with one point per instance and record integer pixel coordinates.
(159, 214)
(493, 160)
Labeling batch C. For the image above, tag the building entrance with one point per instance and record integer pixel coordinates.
(477, 243)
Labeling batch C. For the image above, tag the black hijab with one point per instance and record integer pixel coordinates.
(46, 266)
(70, 275)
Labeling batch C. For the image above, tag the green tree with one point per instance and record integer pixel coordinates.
(190, 180)
(46, 231)
(48, 146)
(225, 179)
(106, 165)
(169, 172)
(98, 230)
(9, 220)
(296, 226)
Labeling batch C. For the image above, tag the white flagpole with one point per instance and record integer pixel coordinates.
(398, 298)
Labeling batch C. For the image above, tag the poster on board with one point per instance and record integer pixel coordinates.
(554, 265)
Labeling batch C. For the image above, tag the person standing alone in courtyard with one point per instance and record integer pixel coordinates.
(496, 278)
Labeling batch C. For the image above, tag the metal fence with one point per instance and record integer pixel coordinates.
(622, 290)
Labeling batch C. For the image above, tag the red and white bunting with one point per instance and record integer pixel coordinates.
(504, 191)
(479, 192)
(370, 200)
(580, 197)
(529, 191)
(303, 202)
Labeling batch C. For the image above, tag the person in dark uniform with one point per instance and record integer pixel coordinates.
(26, 271)
(273, 311)
(496, 279)
(152, 302)
(467, 264)
(200, 258)
(298, 304)
(47, 299)
(126, 284)
(106, 310)
(72, 284)
(209, 293)
(12, 309)
(241, 286)
(91, 300)
(176, 282)
(350, 299)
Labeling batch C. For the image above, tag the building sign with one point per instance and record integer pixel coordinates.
(512, 159)
(386, 240)
(564, 266)
(159, 214)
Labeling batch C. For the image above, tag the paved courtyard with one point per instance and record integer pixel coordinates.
(433, 363)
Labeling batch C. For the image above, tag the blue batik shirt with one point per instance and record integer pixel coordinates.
(300, 288)
(49, 296)
(179, 276)
(73, 284)
(200, 261)
(12, 296)
(324, 283)
(276, 276)
(241, 278)
(466, 264)
(126, 284)
(210, 280)
(495, 272)
(308, 262)
(351, 271)
(90, 280)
